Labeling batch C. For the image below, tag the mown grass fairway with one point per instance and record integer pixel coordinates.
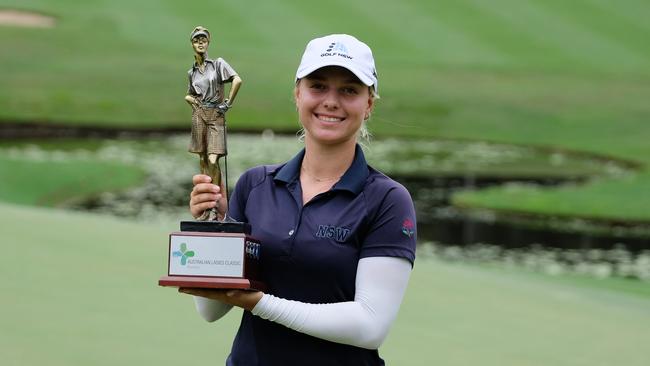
(81, 290)
(573, 75)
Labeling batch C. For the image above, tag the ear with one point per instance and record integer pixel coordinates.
(371, 103)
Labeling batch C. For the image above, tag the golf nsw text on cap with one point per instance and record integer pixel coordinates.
(339, 50)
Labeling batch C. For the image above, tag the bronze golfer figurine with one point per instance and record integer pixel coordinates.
(205, 95)
(213, 252)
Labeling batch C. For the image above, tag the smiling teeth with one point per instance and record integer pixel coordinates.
(330, 119)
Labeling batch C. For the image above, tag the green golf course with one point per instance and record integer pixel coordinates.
(565, 77)
(81, 290)
(571, 76)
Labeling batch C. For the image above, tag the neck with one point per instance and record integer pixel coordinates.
(327, 162)
(199, 58)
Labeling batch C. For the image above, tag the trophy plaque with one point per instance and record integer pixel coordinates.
(209, 252)
(228, 259)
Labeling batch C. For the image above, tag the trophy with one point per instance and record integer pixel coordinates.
(213, 251)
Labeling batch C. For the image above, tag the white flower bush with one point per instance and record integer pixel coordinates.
(599, 263)
(169, 169)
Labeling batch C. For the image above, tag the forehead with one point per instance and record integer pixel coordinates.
(334, 73)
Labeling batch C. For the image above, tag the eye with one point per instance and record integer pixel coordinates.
(350, 91)
(317, 86)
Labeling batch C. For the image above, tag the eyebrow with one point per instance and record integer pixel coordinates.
(317, 77)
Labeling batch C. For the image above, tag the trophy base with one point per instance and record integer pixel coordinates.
(211, 282)
(216, 227)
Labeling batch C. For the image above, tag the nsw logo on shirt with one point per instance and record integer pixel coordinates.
(340, 234)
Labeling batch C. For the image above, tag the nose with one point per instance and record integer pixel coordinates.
(331, 100)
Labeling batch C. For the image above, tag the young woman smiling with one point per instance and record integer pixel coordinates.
(338, 236)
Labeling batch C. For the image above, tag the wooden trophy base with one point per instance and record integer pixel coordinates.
(211, 282)
(215, 255)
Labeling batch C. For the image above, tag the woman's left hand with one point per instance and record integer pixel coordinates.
(243, 298)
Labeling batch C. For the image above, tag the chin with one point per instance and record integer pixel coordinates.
(331, 140)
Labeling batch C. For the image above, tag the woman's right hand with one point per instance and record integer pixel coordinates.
(205, 195)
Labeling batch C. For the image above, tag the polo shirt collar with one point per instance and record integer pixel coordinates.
(289, 171)
(207, 60)
(353, 180)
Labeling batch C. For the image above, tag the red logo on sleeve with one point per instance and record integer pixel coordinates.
(408, 228)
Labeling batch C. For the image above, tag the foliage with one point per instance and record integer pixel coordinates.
(169, 167)
(598, 263)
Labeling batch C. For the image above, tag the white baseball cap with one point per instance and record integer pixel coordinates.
(339, 50)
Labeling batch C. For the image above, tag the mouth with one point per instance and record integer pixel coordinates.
(327, 118)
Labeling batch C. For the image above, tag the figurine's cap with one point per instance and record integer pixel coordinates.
(200, 31)
(339, 50)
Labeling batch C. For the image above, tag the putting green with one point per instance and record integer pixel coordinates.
(81, 289)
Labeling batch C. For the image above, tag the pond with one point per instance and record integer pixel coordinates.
(431, 170)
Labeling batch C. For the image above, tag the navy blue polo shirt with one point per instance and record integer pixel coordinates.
(310, 252)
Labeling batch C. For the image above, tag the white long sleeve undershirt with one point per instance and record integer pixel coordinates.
(209, 309)
(380, 286)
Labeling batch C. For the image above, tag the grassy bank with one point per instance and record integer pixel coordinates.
(623, 199)
(81, 287)
(549, 73)
(52, 183)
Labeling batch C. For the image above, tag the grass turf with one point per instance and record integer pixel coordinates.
(52, 183)
(81, 289)
(570, 75)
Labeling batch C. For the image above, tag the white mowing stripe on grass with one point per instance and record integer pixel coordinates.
(18, 18)
(430, 33)
(533, 19)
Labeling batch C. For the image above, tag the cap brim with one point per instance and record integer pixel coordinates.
(200, 33)
(364, 78)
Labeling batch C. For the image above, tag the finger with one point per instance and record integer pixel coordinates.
(201, 178)
(197, 210)
(215, 294)
(194, 291)
(187, 290)
(204, 197)
(205, 188)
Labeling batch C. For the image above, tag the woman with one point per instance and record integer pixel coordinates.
(205, 94)
(338, 237)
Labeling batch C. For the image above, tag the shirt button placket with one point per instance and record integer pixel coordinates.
(298, 200)
(292, 232)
